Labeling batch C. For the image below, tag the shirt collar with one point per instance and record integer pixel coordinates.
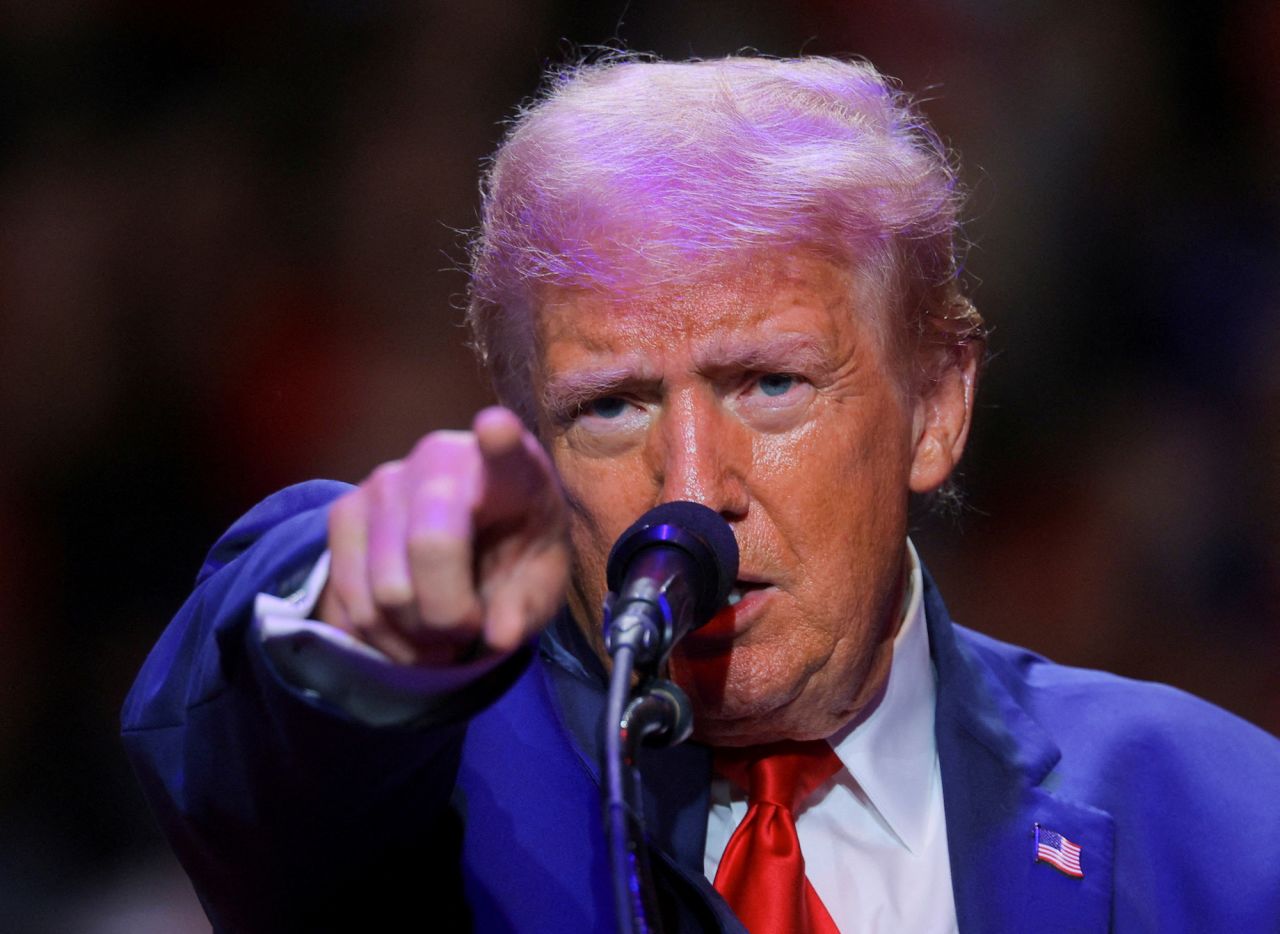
(892, 753)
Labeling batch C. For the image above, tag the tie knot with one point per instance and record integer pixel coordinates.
(783, 773)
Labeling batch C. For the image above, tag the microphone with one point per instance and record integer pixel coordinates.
(667, 575)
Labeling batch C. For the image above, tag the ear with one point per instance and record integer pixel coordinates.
(943, 410)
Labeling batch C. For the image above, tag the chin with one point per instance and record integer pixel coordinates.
(735, 708)
(765, 692)
(753, 731)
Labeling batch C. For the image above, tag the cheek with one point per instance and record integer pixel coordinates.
(831, 462)
(834, 495)
(587, 542)
(606, 496)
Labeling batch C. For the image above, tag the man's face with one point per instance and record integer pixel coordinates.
(774, 397)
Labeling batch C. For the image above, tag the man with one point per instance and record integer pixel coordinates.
(731, 282)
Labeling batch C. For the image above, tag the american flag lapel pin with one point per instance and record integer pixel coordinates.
(1059, 852)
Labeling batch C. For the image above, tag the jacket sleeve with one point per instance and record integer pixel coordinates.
(286, 813)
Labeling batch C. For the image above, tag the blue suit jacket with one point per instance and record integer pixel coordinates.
(290, 817)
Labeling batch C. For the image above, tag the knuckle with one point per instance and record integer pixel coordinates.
(447, 611)
(344, 510)
(384, 477)
(437, 487)
(343, 585)
(363, 618)
(429, 546)
(392, 594)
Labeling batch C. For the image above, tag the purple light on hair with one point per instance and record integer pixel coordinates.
(626, 175)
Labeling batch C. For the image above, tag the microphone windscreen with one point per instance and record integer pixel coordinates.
(699, 531)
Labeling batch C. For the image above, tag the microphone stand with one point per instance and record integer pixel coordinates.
(667, 574)
(656, 713)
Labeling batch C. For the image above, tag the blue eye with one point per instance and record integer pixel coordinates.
(606, 407)
(776, 384)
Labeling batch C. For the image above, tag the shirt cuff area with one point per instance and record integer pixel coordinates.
(326, 663)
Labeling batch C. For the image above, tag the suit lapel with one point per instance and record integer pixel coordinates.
(997, 784)
(997, 780)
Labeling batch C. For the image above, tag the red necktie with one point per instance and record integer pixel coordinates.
(761, 874)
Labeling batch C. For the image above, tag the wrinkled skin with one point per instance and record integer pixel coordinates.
(779, 398)
(781, 395)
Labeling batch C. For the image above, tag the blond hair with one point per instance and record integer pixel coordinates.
(632, 174)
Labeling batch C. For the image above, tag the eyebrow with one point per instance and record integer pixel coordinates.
(564, 394)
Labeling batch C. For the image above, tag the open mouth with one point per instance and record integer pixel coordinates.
(741, 589)
(740, 608)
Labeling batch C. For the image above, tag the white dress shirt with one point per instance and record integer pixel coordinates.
(873, 837)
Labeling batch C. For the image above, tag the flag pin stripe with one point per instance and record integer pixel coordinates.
(1059, 852)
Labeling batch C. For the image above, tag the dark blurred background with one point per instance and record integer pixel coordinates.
(229, 239)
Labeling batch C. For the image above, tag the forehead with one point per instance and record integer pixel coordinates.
(766, 297)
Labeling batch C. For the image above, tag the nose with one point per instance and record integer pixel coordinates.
(703, 454)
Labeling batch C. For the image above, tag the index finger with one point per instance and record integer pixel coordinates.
(519, 481)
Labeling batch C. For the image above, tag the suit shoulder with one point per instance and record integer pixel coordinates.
(270, 512)
(1182, 783)
(1147, 721)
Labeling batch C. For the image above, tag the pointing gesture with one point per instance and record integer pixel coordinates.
(460, 545)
